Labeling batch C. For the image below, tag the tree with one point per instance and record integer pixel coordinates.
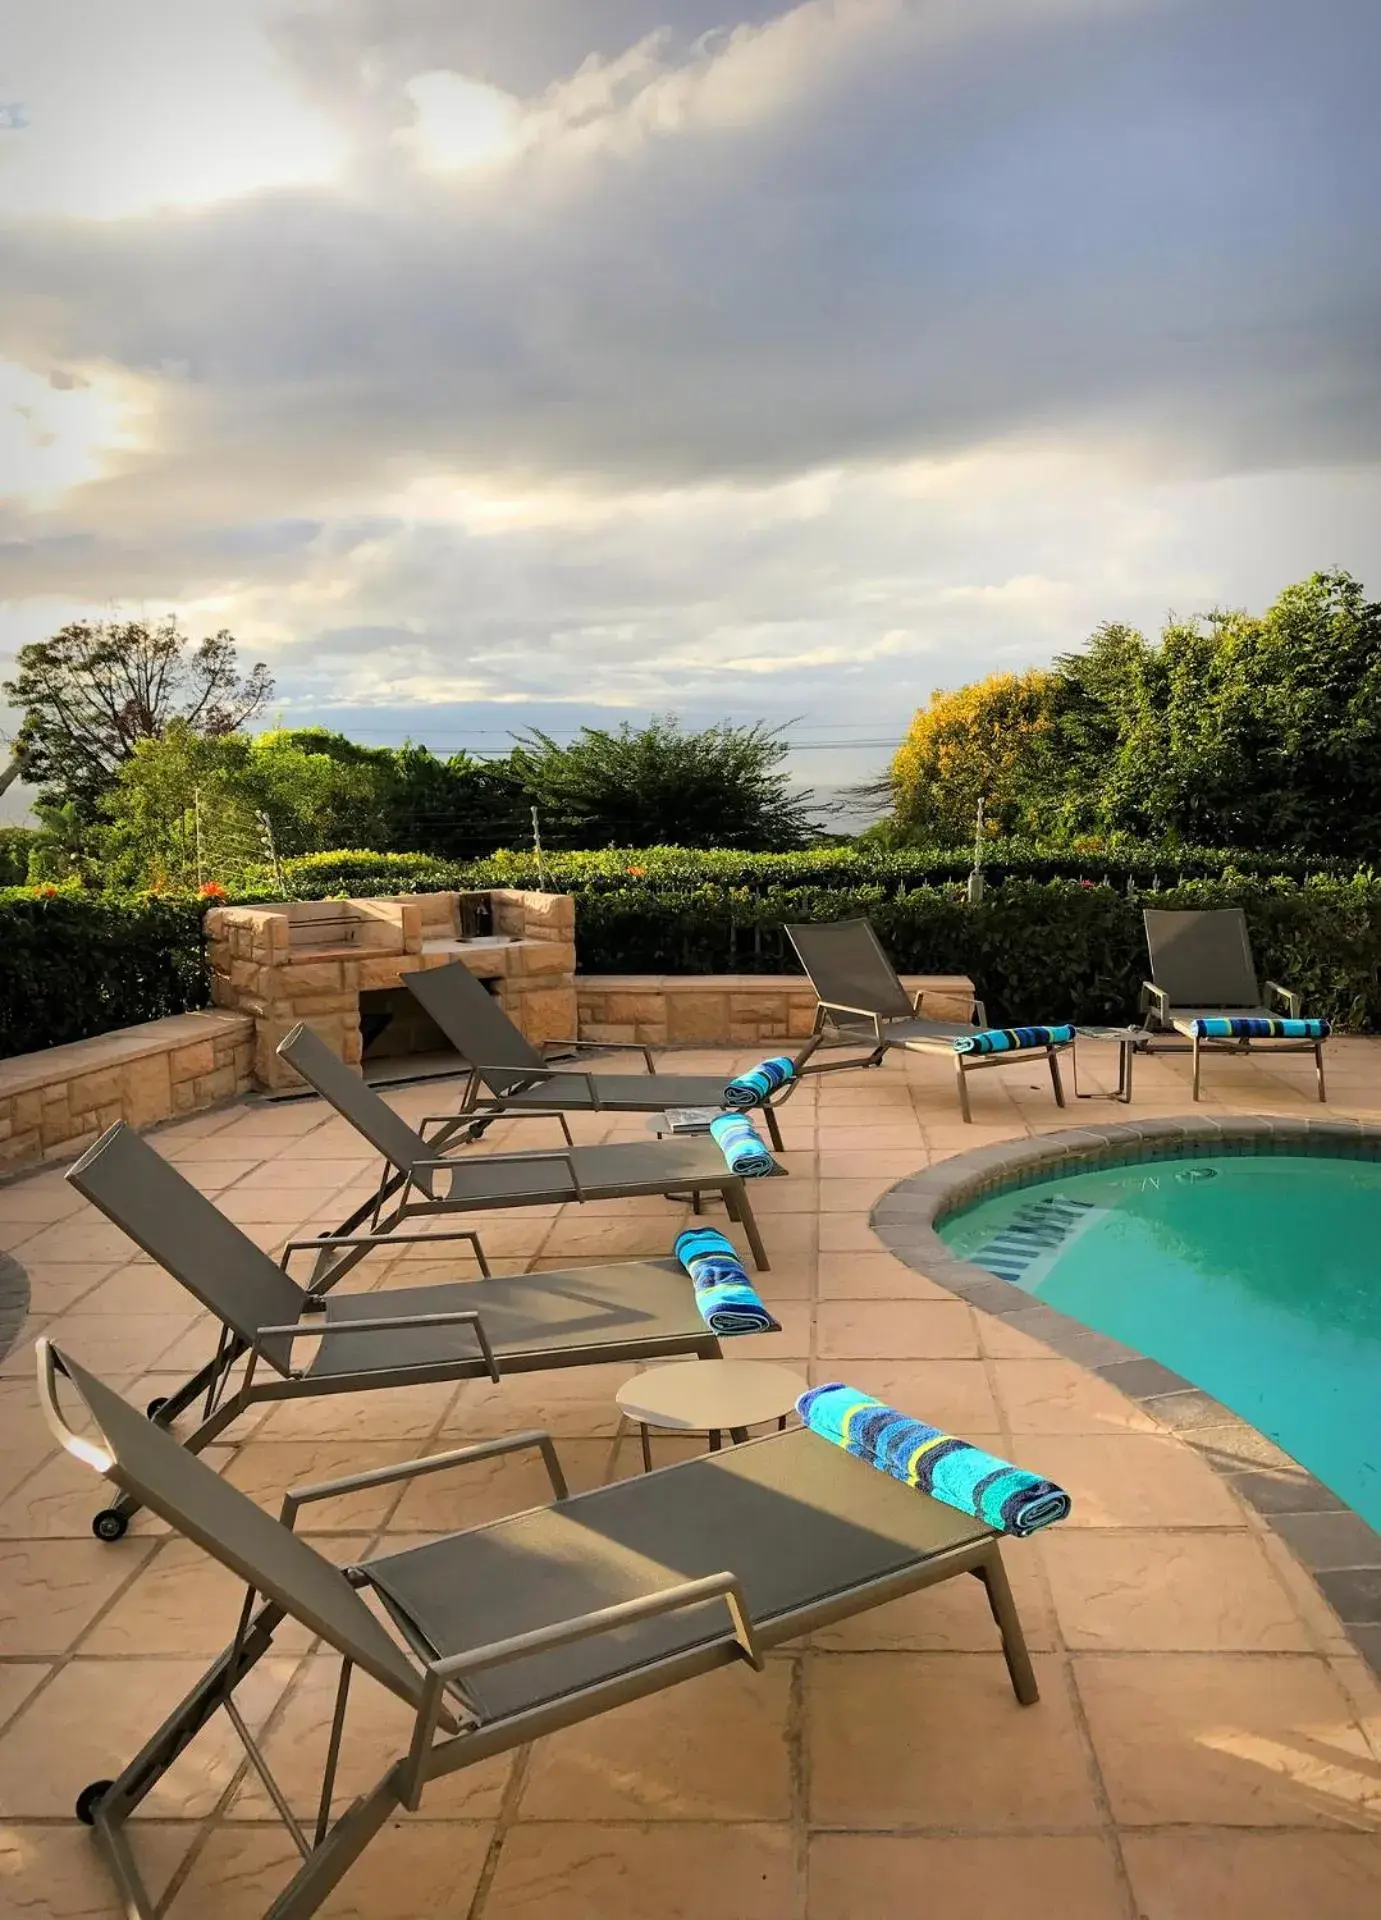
(94, 691)
(987, 741)
(659, 785)
(187, 807)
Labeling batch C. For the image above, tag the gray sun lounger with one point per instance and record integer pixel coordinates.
(862, 1002)
(509, 1075)
(513, 1630)
(417, 1181)
(1202, 969)
(405, 1336)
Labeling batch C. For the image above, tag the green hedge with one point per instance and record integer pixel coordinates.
(73, 965)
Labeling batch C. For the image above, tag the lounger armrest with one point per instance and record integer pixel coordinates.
(564, 1633)
(859, 1013)
(383, 1240)
(1155, 1001)
(1292, 1002)
(530, 1076)
(607, 1046)
(393, 1323)
(429, 1463)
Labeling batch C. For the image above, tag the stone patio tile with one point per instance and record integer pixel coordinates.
(952, 1394)
(924, 1330)
(81, 1237)
(644, 1237)
(716, 1749)
(95, 1715)
(121, 1342)
(563, 1871)
(950, 1618)
(847, 1233)
(54, 1873)
(378, 1728)
(856, 1194)
(1254, 1876)
(913, 1740)
(390, 1413)
(42, 1200)
(182, 1603)
(574, 1401)
(481, 1490)
(412, 1868)
(1248, 1740)
(1056, 1396)
(55, 1285)
(267, 1469)
(57, 1501)
(51, 1590)
(140, 1288)
(858, 1877)
(1132, 1480)
(874, 1275)
(870, 1162)
(17, 1681)
(1170, 1592)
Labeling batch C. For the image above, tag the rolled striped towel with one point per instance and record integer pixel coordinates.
(725, 1296)
(1254, 1027)
(745, 1151)
(1005, 1497)
(1013, 1039)
(751, 1089)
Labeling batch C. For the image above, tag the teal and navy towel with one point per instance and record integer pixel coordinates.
(1255, 1027)
(745, 1151)
(1013, 1039)
(752, 1088)
(993, 1491)
(725, 1296)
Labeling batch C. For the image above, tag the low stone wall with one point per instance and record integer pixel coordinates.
(727, 1009)
(55, 1103)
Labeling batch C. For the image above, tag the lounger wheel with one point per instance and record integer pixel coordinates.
(110, 1524)
(156, 1405)
(90, 1798)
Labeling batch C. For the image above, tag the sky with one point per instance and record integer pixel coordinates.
(483, 364)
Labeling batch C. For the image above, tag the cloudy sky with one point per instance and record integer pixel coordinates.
(489, 362)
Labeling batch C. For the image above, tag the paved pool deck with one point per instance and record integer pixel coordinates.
(1208, 1740)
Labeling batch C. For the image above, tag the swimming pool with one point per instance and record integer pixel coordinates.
(1258, 1277)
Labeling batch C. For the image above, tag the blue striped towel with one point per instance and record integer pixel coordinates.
(1013, 1039)
(992, 1490)
(727, 1300)
(744, 1149)
(752, 1088)
(1253, 1027)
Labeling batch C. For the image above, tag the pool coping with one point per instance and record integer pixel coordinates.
(1338, 1548)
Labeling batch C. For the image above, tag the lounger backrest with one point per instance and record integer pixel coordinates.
(148, 1462)
(848, 968)
(387, 1132)
(475, 1024)
(189, 1237)
(1203, 958)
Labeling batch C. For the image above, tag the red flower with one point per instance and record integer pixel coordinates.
(638, 873)
(212, 890)
(45, 893)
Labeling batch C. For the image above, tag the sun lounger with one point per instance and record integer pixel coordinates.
(418, 1182)
(509, 1075)
(1204, 987)
(512, 1630)
(862, 1002)
(629, 1310)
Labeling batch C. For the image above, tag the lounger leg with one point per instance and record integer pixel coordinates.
(1054, 1059)
(749, 1225)
(963, 1085)
(1318, 1068)
(1004, 1611)
(1197, 1059)
(774, 1132)
(647, 1446)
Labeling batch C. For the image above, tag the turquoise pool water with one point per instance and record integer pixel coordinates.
(1256, 1277)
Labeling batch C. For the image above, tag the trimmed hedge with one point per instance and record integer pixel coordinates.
(73, 965)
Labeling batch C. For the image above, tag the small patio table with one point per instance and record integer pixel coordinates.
(714, 1397)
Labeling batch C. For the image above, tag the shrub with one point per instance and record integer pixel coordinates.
(74, 964)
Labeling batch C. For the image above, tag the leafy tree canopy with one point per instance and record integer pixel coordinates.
(89, 695)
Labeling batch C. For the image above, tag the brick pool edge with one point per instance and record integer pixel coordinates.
(1339, 1549)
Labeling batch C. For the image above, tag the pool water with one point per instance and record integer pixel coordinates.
(1258, 1277)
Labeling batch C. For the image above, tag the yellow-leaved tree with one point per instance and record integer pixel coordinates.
(985, 741)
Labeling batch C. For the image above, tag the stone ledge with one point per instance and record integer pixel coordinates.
(53, 1104)
(725, 1009)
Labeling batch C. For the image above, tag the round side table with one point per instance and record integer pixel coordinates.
(714, 1397)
